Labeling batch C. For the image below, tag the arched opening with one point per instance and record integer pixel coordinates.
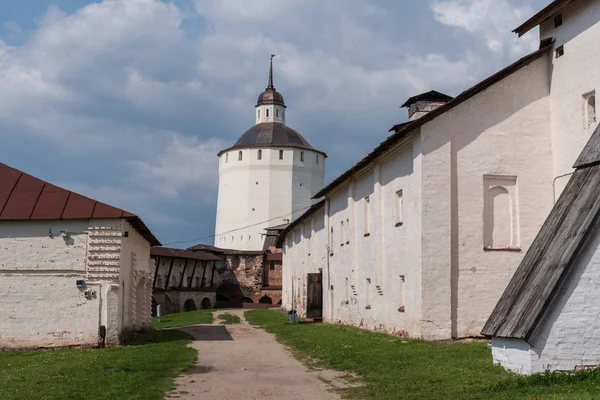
(189, 305)
(267, 113)
(265, 300)
(302, 156)
(154, 306)
(259, 155)
(277, 113)
(198, 279)
(220, 297)
(239, 156)
(205, 305)
(246, 300)
(281, 154)
(279, 303)
(227, 157)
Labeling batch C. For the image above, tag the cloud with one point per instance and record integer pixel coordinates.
(492, 20)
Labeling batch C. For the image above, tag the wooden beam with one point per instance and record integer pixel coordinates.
(193, 272)
(212, 277)
(203, 274)
(169, 275)
(183, 273)
(157, 262)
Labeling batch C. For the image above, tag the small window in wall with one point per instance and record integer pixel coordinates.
(367, 217)
(347, 231)
(558, 20)
(197, 281)
(560, 51)
(589, 109)
(501, 213)
(347, 292)
(302, 156)
(401, 293)
(368, 306)
(342, 233)
(281, 154)
(317, 159)
(331, 241)
(227, 157)
(399, 208)
(239, 156)
(267, 111)
(277, 112)
(258, 113)
(259, 155)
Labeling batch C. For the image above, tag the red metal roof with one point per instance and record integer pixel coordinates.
(25, 197)
(179, 253)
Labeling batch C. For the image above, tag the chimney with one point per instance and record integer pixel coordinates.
(423, 103)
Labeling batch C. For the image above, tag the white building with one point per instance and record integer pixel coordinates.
(267, 177)
(74, 271)
(423, 234)
(549, 315)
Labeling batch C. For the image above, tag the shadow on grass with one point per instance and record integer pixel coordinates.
(207, 332)
(159, 336)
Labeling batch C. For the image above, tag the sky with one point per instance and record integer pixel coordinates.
(129, 101)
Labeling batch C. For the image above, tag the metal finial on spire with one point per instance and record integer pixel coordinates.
(270, 85)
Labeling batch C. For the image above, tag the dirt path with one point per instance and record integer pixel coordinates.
(243, 362)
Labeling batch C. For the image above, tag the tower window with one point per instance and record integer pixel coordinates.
(239, 156)
(281, 154)
(227, 157)
(560, 51)
(367, 217)
(267, 111)
(259, 155)
(399, 208)
(317, 159)
(558, 20)
(302, 156)
(258, 113)
(589, 109)
(277, 113)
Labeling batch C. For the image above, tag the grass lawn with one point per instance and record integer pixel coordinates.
(143, 370)
(228, 319)
(184, 319)
(394, 368)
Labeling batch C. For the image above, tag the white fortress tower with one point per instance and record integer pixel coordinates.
(266, 178)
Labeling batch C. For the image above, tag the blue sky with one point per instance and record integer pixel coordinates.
(128, 101)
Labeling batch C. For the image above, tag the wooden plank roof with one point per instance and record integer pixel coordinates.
(25, 197)
(179, 253)
(547, 263)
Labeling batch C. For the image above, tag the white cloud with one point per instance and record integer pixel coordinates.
(492, 20)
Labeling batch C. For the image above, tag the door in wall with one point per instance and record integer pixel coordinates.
(314, 296)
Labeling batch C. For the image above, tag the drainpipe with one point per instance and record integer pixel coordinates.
(554, 184)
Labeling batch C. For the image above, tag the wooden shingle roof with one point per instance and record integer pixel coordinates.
(545, 268)
(25, 197)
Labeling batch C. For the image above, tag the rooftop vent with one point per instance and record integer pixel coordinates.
(423, 103)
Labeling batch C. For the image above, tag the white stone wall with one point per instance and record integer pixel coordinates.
(253, 191)
(501, 133)
(276, 114)
(573, 75)
(513, 354)
(42, 306)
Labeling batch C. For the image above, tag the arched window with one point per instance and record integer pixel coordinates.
(277, 112)
(227, 157)
(267, 113)
(239, 156)
(317, 159)
(302, 156)
(501, 230)
(259, 155)
(258, 113)
(197, 281)
(281, 154)
(589, 109)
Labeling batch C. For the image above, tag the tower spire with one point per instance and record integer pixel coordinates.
(270, 85)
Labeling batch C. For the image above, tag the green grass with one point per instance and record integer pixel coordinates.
(393, 368)
(184, 319)
(228, 319)
(143, 370)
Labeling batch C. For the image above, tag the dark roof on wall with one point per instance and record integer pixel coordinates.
(271, 236)
(432, 95)
(309, 213)
(404, 129)
(544, 270)
(548, 12)
(219, 250)
(178, 253)
(25, 197)
(271, 135)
